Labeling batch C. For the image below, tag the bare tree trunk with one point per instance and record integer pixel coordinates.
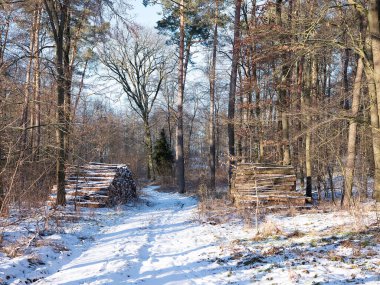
(307, 100)
(169, 108)
(240, 121)
(149, 150)
(61, 129)
(28, 84)
(78, 96)
(282, 96)
(59, 18)
(4, 35)
(180, 162)
(374, 125)
(231, 96)
(36, 132)
(258, 114)
(186, 58)
(255, 82)
(67, 84)
(25, 111)
(374, 29)
(330, 172)
(352, 131)
(211, 141)
(191, 128)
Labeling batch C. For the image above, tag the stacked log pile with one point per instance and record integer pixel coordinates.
(98, 185)
(122, 181)
(266, 185)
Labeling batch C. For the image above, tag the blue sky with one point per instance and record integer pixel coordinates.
(145, 16)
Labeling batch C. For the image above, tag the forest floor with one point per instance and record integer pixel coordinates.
(168, 238)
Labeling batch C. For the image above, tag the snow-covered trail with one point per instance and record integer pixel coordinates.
(164, 241)
(158, 243)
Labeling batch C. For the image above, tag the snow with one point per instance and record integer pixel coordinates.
(164, 240)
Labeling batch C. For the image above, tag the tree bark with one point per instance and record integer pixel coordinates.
(67, 81)
(149, 150)
(59, 18)
(282, 92)
(374, 126)
(352, 133)
(374, 29)
(211, 141)
(309, 86)
(232, 91)
(180, 161)
(28, 82)
(36, 132)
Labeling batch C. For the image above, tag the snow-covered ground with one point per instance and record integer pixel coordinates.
(163, 240)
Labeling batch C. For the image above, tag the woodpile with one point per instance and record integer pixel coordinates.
(269, 186)
(98, 185)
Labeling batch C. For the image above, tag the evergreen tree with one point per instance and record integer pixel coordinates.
(163, 155)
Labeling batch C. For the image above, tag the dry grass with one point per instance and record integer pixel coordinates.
(292, 212)
(359, 220)
(31, 230)
(333, 256)
(18, 247)
(268, 229)
(347, 244)
(295, 234)
(215, 211)
(274, 250)
(56, 246)
(360, 214)
(212, 208)
(35, 259)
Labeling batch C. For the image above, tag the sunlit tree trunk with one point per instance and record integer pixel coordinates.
(231, 96)
(36, 118)
(310, 81)
(180, 161)
(59, 18)
(4, 32)
(28, 82)
(211, 141)
(282, 91)
(374, 29)
(149, 149)
(352, 133)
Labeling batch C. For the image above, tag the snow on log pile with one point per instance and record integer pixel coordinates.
(267, 185)
(98, 185)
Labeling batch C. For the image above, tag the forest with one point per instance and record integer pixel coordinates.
(215, 84)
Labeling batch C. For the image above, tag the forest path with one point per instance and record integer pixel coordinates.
(164, 241)
(160, 242)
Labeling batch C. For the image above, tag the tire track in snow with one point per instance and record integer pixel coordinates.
(155, 230)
